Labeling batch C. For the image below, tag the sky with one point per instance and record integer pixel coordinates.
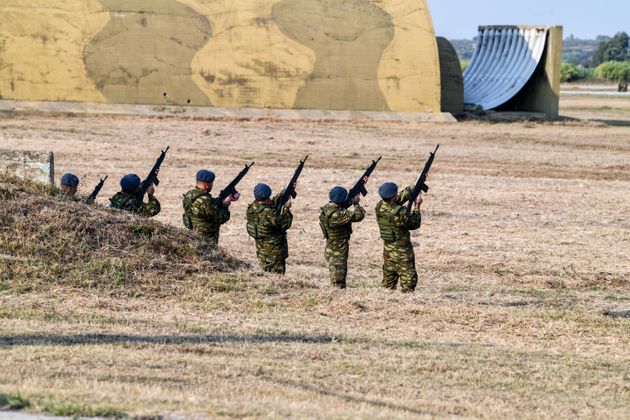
(457, 19)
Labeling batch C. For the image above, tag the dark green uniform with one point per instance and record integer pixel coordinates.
(131, 203)
(270, 232)
(206, 217)
(336, 223)
(73, 197)
(398, 256)
(68, 196)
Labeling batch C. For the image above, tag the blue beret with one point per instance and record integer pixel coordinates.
(205, 175)
(338, 195)
(262, 191)
(130, 183)
(70, 180)
(388, 190)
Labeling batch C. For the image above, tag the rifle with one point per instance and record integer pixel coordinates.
(231, 187)
(290, 192)
(152, 178)
(420, 185)
(359, 187)
(92, 197)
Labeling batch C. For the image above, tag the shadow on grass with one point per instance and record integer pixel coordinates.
(346, 397)
(83, 339)
(615, 123)
(104, 339)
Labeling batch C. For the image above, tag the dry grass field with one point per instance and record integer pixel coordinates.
(523, 259)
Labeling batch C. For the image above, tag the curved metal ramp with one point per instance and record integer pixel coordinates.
(504, 60)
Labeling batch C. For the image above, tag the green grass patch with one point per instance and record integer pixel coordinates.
(55, 407)
(455, 289)
(70, 409)
(13, 402)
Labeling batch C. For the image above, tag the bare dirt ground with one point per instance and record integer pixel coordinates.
(523, 256)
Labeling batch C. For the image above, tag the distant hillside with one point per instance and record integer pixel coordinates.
(575, 50)
(580, 51)
(464, 48)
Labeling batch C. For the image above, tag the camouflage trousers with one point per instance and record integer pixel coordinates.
(399, 263)
(272, 257)
(336, 254)
(213, 240)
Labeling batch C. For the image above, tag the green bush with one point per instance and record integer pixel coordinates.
(614, 71)
(571, 72)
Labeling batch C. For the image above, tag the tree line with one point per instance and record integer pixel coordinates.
(611, 61)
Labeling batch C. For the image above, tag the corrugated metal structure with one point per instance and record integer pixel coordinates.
(515, 68)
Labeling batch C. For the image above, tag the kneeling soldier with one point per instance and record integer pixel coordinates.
(68, 186)
(395, 224)
(201, 212)
(269, 229)
(336, 223)
(128, 200)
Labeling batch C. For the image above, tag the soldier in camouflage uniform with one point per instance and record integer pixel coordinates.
(336, 223)
(127, 199)
(269, 229)
(68, 187)
(201, 213)
(394, 224)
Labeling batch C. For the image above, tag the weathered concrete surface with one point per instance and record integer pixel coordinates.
(451, 77)
(64, 108)
(144, 52)
(542, 92)
(359, 55)
(30, 165)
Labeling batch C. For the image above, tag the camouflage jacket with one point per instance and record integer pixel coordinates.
(131, 203)
(393, 221)
(336, 222)
(264, 224)
(67, 196)
(73, 197)
(206, 216)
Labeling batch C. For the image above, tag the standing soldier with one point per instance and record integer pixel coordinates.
(336, 223)
(201, 212)
(69, 185)
(395, 224)
(128, 199)
(269, 228)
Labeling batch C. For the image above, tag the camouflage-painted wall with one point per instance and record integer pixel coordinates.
(311, 54)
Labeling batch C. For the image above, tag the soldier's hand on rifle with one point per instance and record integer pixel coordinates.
(418, 201)
(151, 191)
(236, 196)
(156, 172)
(366, 179)
(356, 199)
(289, 203)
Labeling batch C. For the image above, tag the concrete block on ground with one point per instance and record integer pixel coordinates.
(34, 166)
